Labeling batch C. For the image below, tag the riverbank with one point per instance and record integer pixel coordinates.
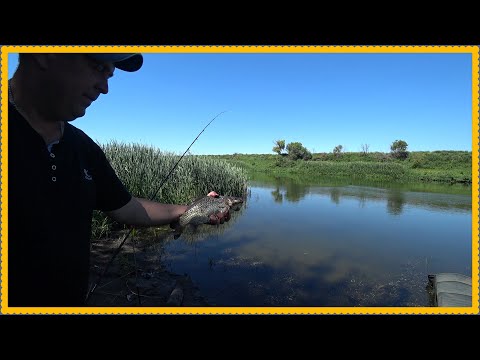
(448, 167)
(137, 277)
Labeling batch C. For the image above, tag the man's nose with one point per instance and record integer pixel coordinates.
(103, 86)
(107, 74)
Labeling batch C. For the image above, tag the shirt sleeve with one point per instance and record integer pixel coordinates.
(111, 192)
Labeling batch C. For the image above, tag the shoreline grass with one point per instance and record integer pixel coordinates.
(438, 166)
(143, 168)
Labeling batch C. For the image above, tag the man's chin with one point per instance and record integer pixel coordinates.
(77, 114)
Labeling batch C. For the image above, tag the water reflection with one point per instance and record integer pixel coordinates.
(277, 195)
(335, 195)
(395, 202)
(265, 179)
(289, 190)
(396, 197)
(310, 244)
(295, 193)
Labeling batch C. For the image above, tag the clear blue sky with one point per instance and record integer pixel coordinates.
(320, 100)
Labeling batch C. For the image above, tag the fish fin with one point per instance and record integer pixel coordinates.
(196, 200)
(178, 231)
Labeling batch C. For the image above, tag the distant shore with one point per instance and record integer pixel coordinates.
(448, 167)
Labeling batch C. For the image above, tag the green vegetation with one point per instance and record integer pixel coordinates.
(142, 169)
(436, 166)
(279, 147)
(297, 151)
(337, 150)
(399, 149)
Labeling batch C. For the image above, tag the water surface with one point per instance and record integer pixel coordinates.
(304, 243)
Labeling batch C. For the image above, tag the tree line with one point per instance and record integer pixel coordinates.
(296, 150)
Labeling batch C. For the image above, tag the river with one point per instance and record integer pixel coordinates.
(329, 243)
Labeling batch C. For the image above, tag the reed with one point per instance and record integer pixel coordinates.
(143, 168)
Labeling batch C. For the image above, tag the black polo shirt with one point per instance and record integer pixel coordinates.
(51, 197)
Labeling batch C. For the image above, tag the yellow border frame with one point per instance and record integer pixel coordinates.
(473, 50)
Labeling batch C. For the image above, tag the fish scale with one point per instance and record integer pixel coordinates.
(200, 210)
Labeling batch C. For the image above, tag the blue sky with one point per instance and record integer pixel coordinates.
(320, 100)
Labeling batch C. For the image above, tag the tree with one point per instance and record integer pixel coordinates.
(365, 149)
(279, 146)
(337, 150)
(297, 151)
(399, 149)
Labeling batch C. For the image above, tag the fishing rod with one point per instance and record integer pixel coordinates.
(117, 250)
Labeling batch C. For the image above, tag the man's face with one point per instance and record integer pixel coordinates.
(73, 82)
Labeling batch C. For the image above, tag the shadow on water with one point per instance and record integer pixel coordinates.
(237, 280)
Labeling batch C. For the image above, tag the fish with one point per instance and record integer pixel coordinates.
(200, 210)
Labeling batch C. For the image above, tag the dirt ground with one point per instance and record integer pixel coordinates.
(139, 280)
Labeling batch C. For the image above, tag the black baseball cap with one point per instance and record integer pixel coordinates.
(125, 62)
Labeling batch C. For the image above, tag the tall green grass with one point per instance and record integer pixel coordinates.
(355, 170)
(422, 166)
(446, 160)
(143, 168)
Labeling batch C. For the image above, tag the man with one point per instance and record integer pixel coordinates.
(58, 175)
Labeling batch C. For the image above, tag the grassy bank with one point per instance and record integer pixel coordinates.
(436, 166)
(142, 169)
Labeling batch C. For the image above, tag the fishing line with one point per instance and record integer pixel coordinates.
(117, 250)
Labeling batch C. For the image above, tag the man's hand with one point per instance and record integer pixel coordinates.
(219, 217)
(215, 219)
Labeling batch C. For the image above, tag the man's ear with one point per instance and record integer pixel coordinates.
(43, 60)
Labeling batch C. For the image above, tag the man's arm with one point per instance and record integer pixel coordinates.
(143, 212)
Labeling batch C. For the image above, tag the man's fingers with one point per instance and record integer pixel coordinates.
(219, 217)
(214, 219)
